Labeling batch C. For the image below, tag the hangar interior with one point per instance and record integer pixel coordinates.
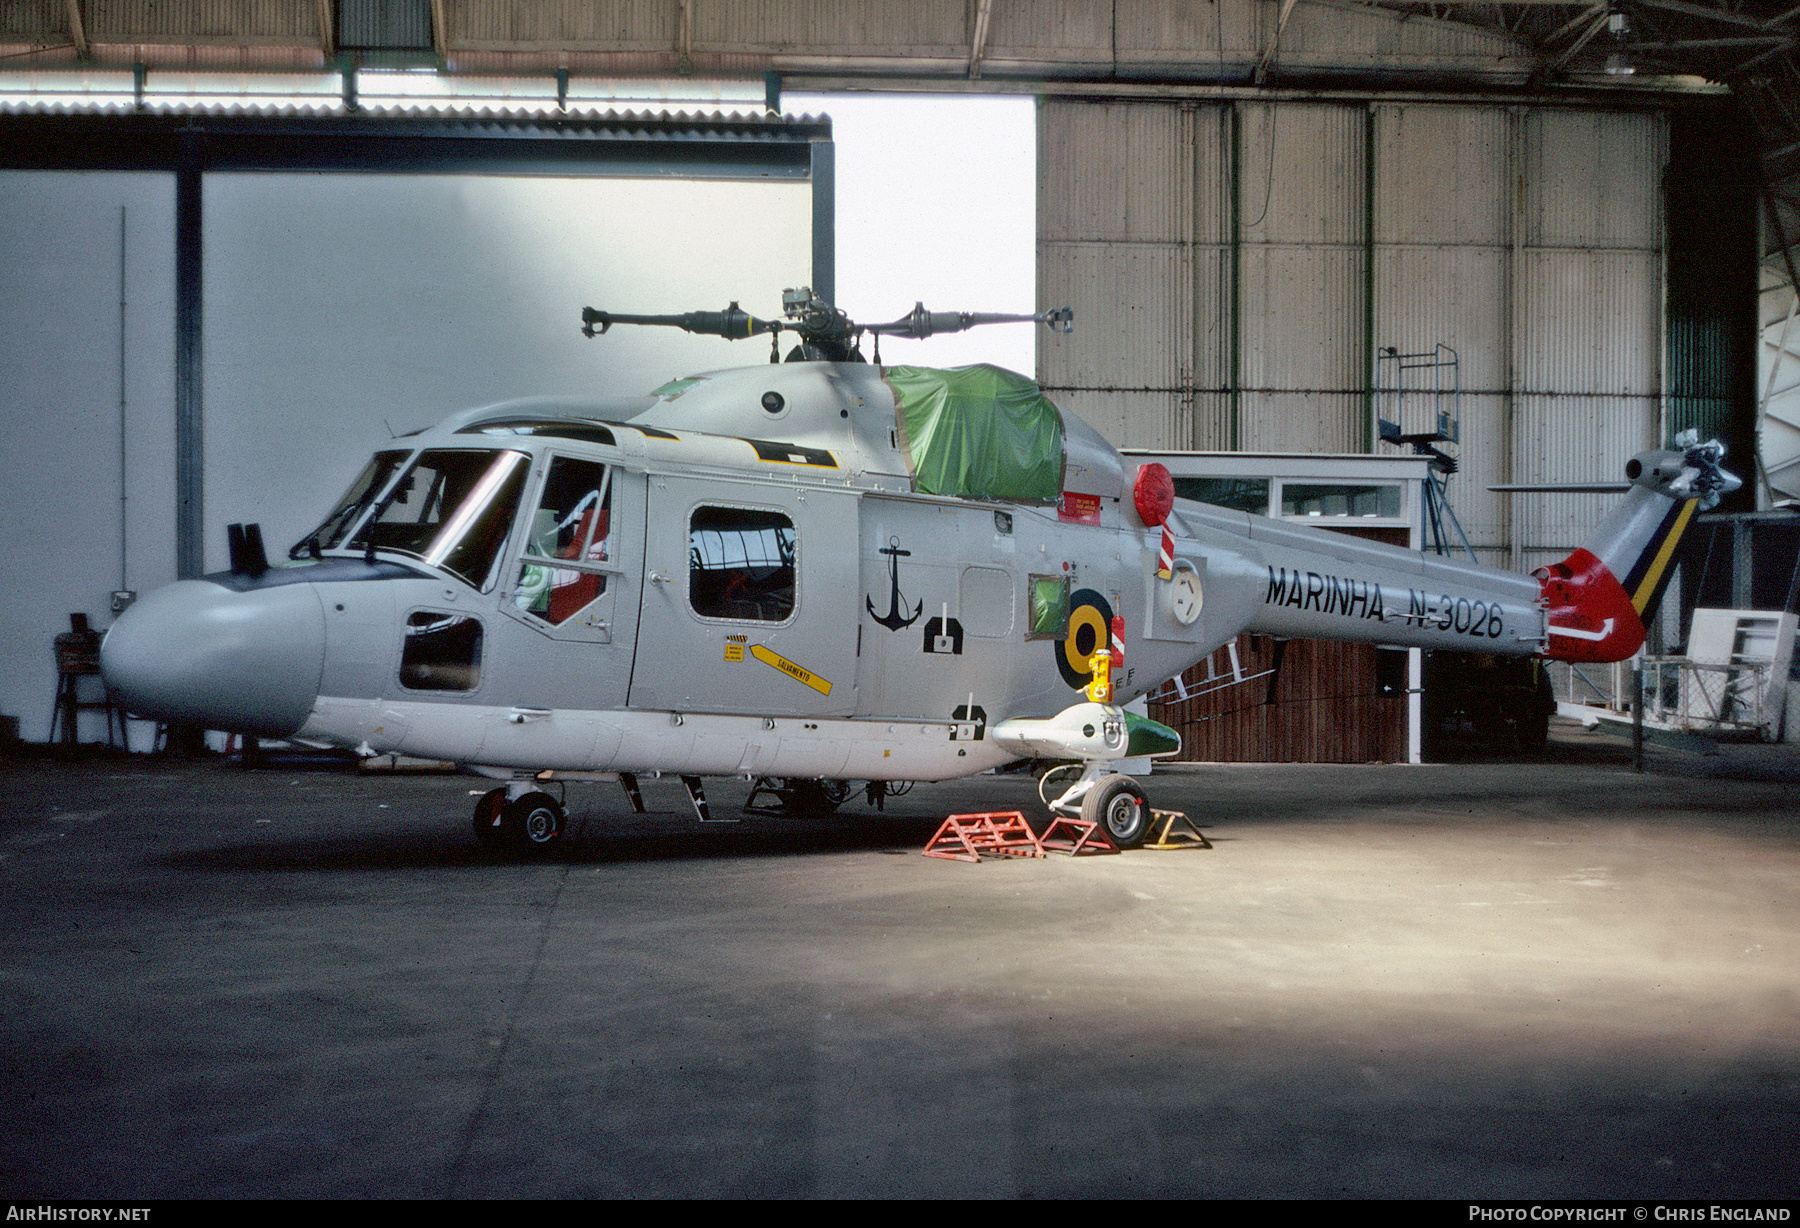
(1245, 203)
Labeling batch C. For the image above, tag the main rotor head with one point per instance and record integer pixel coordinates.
(825, 333)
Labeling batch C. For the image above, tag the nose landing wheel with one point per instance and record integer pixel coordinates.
(1117, 804)
(1098, 795)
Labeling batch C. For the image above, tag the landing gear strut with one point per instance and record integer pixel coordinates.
(796, 798)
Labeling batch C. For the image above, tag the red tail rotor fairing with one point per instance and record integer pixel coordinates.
(1587, 611)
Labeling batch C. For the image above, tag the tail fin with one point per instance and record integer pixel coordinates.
(1599, 599)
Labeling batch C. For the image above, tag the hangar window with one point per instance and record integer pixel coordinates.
(384, 25)
(442, 652)
(1238, 494)
(1363, 500)
(569, 542)
(741, 564)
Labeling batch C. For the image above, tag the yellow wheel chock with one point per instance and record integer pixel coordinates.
(1172, 829)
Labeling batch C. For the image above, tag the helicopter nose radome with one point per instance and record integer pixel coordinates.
(203, 654)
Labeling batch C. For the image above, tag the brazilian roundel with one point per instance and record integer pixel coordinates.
(1090, 630)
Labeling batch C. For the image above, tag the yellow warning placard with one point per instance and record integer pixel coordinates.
(769, 656)
(734, 652)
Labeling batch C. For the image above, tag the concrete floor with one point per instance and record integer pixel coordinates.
(1555, 979)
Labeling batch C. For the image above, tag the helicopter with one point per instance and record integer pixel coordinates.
(814, 573)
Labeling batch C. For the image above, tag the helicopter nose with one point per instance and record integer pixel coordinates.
(203, 654)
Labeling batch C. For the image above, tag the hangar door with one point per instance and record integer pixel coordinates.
(218, 318)
(343, 309)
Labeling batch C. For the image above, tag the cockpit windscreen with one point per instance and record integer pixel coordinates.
(452, 508)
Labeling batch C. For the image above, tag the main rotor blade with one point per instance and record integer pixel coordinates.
(921, 323)
(1566, 488)
(733, 324)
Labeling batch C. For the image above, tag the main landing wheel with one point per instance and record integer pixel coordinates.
(814, 799)
(534, 821)
(1119, 806)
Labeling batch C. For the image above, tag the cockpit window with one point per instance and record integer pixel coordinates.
(355, 502)
(453, 508)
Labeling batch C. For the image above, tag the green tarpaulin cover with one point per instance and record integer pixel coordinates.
(981, 432)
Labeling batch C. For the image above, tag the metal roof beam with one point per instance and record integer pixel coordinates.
(1596, 23)
(1584, 18)
(1706, 44)
(440, 33)
(1744, 66)
(984, 11)
(77, 29)
(1268, 54)
(1704, 13)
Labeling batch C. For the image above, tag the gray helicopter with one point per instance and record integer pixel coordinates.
(818, 573)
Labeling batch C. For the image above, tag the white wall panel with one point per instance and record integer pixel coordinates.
(1593, 179)
(1573, 439)
(63, 542)
(1132, 336)
(1301, 318)
(1592, 321)
(830, 27)
(1483, 460)
(634, 25)
(1134, 419)
(1450, 295)
(1115, 171)
(1441, 176)
(1050, 30)
(1302, 174)
(1301, 421)
(1325, 33)
(231, 21)
(1179, 34)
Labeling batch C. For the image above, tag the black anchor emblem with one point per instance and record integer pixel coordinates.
(892, 619)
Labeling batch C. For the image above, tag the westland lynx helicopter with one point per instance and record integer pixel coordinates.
(818, 572)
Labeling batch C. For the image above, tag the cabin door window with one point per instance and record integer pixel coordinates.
(568, 551)
(741, 564)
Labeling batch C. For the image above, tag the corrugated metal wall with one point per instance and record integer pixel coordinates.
(237, 21)
(1147, 39)
(1233, 266)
